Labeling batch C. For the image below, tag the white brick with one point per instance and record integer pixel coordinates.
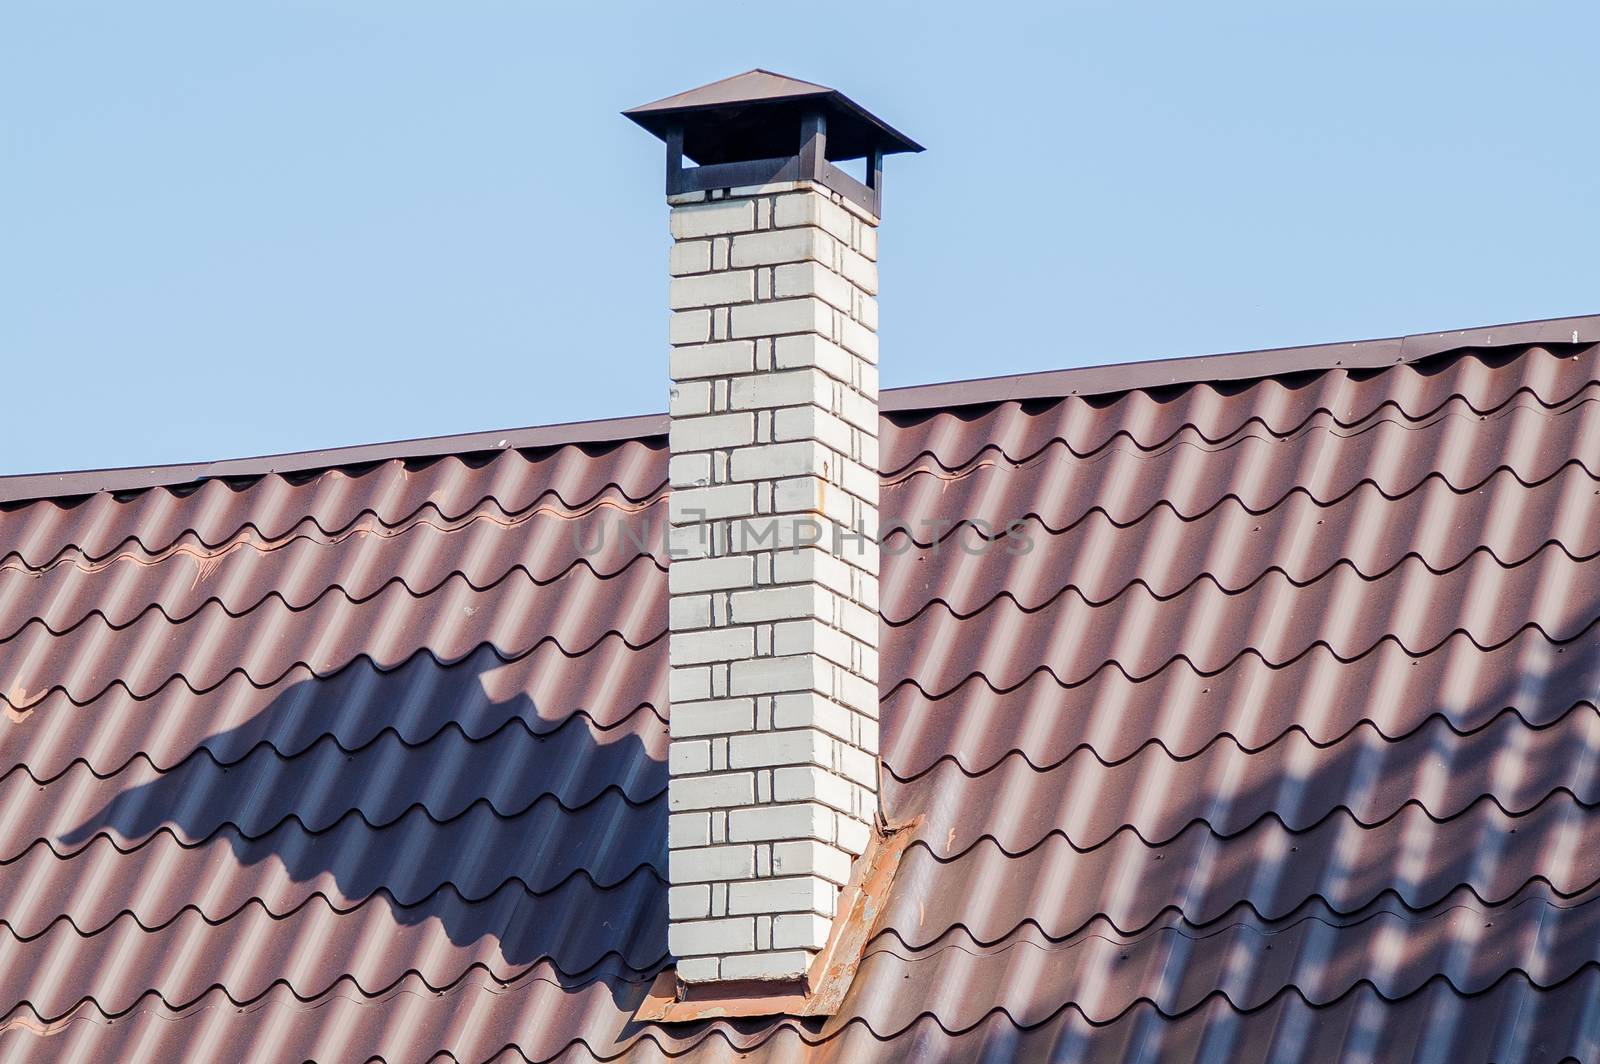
(774, 675)
(710, 574)
(866, 216)
(807, 495)
(798, 747)
(859, 270)
(812, 423)
(689, 327)
(689, 398)
(864, 661)
(867, 443)
(687, 757)
(801, 931)
(780, 603)
(864, 309)
(716, 432)
(711, 936)
(859, 411)
(761, 823)
(868, 384)
(808, 709)
(801, 894)
(688, 612)
(819, 564)
(853, 337)
(810, 783)
(859, 622)
(773, 460)
(791, 388)
(691, 541)
(689, 829)
(867, 737)
(811, 857)
(689, 256)
(689, 506)
(809, 637)
(751, 535)
(809, 208)
(711, 863)
(807, 350)
(799, 279)
(866, 804)
(713, 219)
(711, 717)
(689, 470)
(714, 289)
(857, 693)
(868, 243)
(689, 902)
(686, 685)
(711, 644)
(859, 765)
(853, 835)
(699, 969)
(766, 967)
(782, 245)
(712, 360)
(858, 480)
(715, 791)
(782, 316)
(813, 495)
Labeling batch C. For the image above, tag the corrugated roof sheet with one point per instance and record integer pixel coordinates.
(1281, 741)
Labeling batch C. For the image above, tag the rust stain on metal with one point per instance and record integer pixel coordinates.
(866, 896)
(860, 904)
(18, 709)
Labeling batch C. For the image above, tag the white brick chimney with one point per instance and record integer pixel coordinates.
(774, 511)
(774, 580)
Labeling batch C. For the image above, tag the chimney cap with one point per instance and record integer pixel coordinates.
(757, 115)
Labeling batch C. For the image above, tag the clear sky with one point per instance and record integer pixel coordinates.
(234, 229)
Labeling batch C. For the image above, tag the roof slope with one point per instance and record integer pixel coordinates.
(1279, 742)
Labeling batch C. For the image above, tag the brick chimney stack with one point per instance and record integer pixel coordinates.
(773, 574)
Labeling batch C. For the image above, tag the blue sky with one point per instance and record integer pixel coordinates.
(232, 229)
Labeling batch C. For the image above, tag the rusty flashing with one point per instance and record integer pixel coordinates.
(1053, 384)
(834, 969)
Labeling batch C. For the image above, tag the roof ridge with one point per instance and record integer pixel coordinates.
(1049, 384)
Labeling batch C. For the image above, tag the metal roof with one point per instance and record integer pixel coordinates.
(1278, 742)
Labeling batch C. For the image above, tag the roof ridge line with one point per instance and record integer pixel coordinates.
(1049, 384)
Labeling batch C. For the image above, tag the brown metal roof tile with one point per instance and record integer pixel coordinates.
(543, 689)
(1202, 874)
(1249, 961)
(1249, 702)
(357, 753)
(1212, 412)
(1293, 781)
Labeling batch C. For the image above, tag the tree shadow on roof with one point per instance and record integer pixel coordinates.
(528, 840)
